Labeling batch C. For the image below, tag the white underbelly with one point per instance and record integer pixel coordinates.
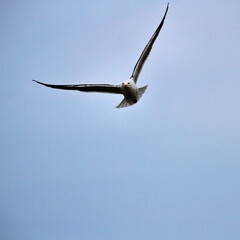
(131, 95)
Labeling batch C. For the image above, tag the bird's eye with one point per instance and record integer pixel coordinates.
(129, 83)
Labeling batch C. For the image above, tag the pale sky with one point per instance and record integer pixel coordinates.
(75, 167)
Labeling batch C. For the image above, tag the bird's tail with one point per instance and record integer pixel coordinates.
(124, 103)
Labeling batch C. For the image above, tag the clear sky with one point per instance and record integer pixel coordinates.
(72, 166)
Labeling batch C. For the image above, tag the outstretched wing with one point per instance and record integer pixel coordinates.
(147, 50)
(104, 88)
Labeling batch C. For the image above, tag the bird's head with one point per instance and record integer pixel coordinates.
(126, 84)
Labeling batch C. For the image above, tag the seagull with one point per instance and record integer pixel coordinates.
(128, 88)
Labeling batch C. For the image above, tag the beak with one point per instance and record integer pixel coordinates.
(124, 84)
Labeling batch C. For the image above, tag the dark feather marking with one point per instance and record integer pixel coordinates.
(147, 50)
(106, 88)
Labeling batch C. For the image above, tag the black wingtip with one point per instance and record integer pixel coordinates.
(39, 82)
(165, 14)
(166, 10)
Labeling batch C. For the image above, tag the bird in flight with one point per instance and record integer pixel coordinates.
(128, 88)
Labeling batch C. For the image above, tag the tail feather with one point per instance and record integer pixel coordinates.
(123, 104)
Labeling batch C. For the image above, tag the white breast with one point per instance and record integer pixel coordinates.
(130, 91)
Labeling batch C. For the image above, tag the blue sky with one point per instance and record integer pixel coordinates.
(75, 167)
